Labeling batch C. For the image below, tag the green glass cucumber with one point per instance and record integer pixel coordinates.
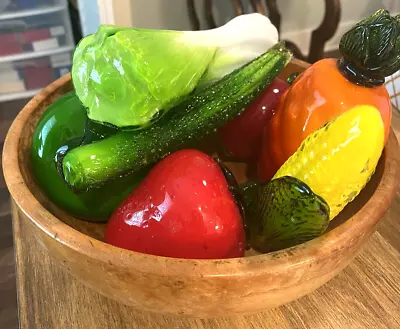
(282, 213)
(202, 113)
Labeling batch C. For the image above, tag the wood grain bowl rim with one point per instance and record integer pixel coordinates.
(295, 258)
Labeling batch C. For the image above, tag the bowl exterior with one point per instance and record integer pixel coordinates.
(230, 294)
(198, 288)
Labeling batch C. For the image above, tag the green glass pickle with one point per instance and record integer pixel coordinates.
(65, 125)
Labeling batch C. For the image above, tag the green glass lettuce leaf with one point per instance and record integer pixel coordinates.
(126, 77)
(130, 77)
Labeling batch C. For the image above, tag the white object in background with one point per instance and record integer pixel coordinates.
(45, 44)
(12, 87)
(9, 76)
(57, 31)
(117, 12)
(393, 88)
(96, 12)
(106, 12)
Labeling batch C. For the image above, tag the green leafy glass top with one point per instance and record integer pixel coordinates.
(282, 213)
(371, 49)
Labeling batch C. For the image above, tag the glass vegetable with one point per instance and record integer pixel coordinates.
(130, 77)
(282, 213)
(338, 160)
(183, 208)
(370, 51)
(241, 136)
(64, 125)
(205, 111)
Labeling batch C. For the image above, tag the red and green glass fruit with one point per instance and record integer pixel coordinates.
(183, 208)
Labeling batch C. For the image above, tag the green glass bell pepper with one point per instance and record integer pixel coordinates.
(64, 125)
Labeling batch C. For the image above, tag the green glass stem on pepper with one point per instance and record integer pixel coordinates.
(63, 126)
(282, 213)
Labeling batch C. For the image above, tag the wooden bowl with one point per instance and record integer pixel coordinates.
(199, 288)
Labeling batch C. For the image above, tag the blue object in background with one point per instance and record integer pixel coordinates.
(60, 71)
(27, 4)
(89, 14)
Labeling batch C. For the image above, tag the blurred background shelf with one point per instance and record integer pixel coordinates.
(32, 12)
(19, 95)
(35, 54)
(37, 43)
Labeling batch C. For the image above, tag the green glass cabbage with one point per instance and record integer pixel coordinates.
(126, 76)
(129, 77)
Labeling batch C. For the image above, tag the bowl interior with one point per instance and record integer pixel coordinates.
(240, 170)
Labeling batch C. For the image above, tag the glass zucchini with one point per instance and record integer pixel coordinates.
(207, 109)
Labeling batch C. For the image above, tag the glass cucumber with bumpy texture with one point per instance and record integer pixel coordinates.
(338, 160)
(282, 213)
(202, 113)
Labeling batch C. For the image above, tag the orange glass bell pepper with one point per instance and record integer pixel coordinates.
(330, 87)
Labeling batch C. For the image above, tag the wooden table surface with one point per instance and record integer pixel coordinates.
(365, 295)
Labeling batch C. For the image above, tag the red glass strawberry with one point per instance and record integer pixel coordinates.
(183, 209)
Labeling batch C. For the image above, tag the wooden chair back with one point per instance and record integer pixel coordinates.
(319, 37)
